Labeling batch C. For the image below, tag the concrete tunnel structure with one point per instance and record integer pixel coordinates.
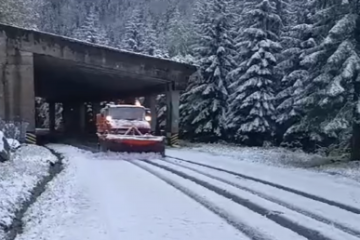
(71, 72)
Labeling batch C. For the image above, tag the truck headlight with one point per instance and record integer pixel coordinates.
(148, 118)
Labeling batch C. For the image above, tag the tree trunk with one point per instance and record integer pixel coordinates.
(355, 142)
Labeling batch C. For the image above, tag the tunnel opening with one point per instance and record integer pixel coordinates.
(78, 92)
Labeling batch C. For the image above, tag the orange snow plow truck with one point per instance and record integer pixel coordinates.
(126, 128)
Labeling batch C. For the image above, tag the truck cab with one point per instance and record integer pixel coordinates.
(118, 119)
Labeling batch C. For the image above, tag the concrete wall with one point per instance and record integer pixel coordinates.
(17, 93)
(125, 63)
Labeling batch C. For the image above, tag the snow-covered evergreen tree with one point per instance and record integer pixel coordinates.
(252, 112)
(134, 32)
(22, 13)
(42, 113)
(151, 44)
(296, 41)
(334, 67)
(177, 35)
(90, 31)
(207, 96)
(161, 111)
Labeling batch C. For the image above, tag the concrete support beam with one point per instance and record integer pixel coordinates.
(17, 90)
(52, 116)
(146, 103)
(152, 105)
(172, 115)
(66, 116)
(82, 117)
(71, 118)
(3, 61)
(96, 107)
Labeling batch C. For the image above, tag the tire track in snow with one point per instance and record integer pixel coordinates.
(273, 199)
(252, 233)
(283, 221)
(288, 189)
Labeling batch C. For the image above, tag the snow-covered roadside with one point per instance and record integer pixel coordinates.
(346, 169)
(282, 157)
(342, 190)
(99, 196)
(18, 178)
(62, 192)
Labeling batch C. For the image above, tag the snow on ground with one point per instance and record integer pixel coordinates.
(14, 144)
(342, 190)
(277, 231)
(282, 157)
(306, 206)
(255, 225)
(18, 177)
(100, 196)
(347, 169)
(272, 156)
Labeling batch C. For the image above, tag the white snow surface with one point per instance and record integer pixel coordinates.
(260, 226)
(1, 141)
(135, 137)
(284, 158)
(277, 200)
(101, 196)
(342, 190)
(13, 143)
(18, 177)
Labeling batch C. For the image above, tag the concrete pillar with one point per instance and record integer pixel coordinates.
(52, 116)
(152, 106)
(3, 60)
(82, 117)
(96, 109)
(147, 101)
(17, 86)
(67, 117)
(172, 115)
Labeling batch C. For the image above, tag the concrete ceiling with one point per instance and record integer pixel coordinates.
(59, 80)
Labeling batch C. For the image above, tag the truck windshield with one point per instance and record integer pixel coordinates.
(127, 113)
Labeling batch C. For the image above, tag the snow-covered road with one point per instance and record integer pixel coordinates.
(105, 196)
(114, 199)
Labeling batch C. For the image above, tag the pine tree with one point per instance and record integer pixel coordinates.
(134, 32)
(90, 31)
(42, 113)
(161, 112)
(151, 44)
(177, 36)
(252, 110)
(296, 40)
(22, 13)
(208, 94)
(334, 66)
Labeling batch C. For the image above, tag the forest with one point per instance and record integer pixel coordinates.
(271, 72)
